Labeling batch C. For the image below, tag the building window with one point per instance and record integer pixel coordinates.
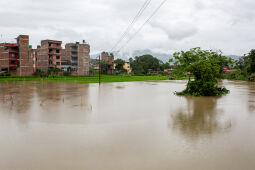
(57, 51)
(74, 48)
(13, 55)
(57, 57)
(74, 53)
(57, 63)
(13, 62)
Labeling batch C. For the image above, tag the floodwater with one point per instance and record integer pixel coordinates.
(125, 126)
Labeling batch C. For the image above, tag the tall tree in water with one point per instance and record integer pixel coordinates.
(206, 66)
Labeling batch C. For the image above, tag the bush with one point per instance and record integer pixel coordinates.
(53, 70)
(5, 75)
(252, 77)
(54, 76)
(66, 73)
(40, 73)
(237, 75)
(201, 88)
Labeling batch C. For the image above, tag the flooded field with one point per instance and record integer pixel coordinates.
(125, 126)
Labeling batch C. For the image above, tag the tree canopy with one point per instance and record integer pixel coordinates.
(206, 66)
(247, 63)
(141, 65)
(119, 65)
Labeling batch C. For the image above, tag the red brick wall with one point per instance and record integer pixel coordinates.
(42, 58)
(110, 61)
(26, 60)
(4, 58)
(83, 59)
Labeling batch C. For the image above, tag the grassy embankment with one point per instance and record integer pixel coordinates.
(87, 79)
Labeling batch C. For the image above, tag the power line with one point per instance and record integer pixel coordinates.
(140, 12)
(157, 9)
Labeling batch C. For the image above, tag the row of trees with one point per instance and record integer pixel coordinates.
(142, 65)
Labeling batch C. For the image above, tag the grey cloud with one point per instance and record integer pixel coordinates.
(178, 25)
(177, 30)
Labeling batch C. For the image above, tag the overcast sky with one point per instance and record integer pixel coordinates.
(228, 25)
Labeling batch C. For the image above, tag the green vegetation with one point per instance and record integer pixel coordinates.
(244, 68)
(141, 65)
(206, 67)
(237, 75)
(104, 67)
(87, 79)
(119, 66)
(5, 75)
(148, 65)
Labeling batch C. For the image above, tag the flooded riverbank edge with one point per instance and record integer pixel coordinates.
(86, 79)
(94, 79)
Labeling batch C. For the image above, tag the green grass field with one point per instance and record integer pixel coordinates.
(87, 79)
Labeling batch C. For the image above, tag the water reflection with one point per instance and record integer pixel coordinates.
(251, 99)
(16, 96)
(200, 116)
(45, 102)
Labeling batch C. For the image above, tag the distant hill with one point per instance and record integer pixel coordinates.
(125, 56)
(234, 57)
(161, 56)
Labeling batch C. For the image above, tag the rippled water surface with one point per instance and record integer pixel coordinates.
(125, 126)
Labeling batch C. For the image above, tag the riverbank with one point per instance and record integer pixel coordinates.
(87, 79)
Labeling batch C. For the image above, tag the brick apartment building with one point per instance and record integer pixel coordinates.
(109, 59)
(48, 55)
(17, 58)
(76, 58)
(20, 60)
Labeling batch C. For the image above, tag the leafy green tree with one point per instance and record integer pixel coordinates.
(164, 66)
(251, 62)
(142, 64)
(119, 65)
(104, 66)
(246, 64)
(206, 66)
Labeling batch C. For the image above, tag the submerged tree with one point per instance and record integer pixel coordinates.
(206, 67)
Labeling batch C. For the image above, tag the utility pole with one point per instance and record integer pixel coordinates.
(99, 70)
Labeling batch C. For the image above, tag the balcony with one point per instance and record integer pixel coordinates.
(54, 46)
(13, 64)
(74, 50)
(13, 59)
(13, 51)
(53, 52)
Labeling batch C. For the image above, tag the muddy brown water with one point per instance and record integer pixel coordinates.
(125, 126)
